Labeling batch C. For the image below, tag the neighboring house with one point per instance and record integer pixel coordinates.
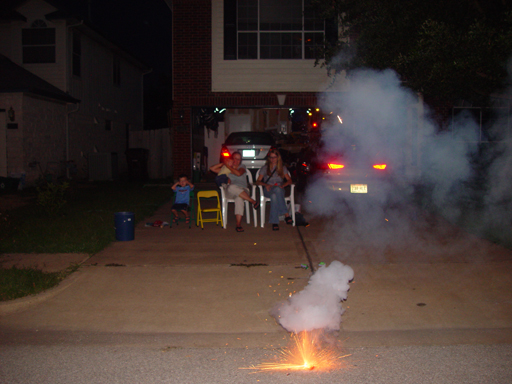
(224, 56)
(67, 95)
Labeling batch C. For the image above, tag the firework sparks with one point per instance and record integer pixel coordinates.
(306, 352)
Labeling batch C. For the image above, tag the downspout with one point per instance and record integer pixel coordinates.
(67, 136)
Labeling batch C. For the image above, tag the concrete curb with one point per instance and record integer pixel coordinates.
(17, 305)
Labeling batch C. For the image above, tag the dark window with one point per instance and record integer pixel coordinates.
(77, 54)
(38, 43)
(116, 70)
(280, 45)
(247, 45)
(270, 29)
(108, 125)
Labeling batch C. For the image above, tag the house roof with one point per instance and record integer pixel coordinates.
(11, 15)
(14, 78)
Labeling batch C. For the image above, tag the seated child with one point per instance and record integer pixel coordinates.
(182, 202)
(222, 177)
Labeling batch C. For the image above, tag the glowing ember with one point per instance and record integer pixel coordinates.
(305, 353)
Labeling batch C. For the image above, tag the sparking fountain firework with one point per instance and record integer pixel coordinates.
(309, 315)
(307, 351)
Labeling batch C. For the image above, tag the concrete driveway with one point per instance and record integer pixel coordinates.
(214, 287)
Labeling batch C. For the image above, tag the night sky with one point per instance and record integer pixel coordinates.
(142, 27)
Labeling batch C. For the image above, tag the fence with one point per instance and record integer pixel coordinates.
(158, 141)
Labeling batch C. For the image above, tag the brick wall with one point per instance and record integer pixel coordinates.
(192, 48)
(191, 71)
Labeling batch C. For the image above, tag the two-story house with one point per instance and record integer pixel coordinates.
(255, 59)
(68, 96)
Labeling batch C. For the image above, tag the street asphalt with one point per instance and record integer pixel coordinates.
(178, 291)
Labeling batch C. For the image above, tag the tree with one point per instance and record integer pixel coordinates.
(447, 49)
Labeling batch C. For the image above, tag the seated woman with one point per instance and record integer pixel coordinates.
(237, 188)
(274, 177)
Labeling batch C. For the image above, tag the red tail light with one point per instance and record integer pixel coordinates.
(224, 152)
(335, 166)
(380, 166)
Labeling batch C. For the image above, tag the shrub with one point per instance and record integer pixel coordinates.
(51, 197)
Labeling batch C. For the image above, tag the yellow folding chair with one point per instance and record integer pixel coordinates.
(201, 210)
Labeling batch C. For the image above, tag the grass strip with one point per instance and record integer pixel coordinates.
(20, 282)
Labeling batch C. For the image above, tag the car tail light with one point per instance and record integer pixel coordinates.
(224, 152)
(335, 166)
(379, 166)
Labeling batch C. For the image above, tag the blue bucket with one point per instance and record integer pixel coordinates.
(125, 226)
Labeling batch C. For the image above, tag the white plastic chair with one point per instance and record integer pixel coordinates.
(290, 200)
(225, 201)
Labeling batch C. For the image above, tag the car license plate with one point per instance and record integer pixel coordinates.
(358, 188)
(248, 153)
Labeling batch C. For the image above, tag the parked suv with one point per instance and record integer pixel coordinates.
(253, 146)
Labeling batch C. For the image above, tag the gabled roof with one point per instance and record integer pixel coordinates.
(14, 78)
(11, 15)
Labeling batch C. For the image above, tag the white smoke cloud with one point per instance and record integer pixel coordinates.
(380, 116)
(318, 305)
(433, 168)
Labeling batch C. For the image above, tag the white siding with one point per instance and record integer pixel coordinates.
(101, 100)
(99, 97)
(44, 137)
(263, 75)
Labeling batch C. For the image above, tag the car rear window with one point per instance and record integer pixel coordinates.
(256, 138)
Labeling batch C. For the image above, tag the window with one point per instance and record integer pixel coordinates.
(269, 29)
(38, 43)
(116, 70)
(77, 55)
(108, 125)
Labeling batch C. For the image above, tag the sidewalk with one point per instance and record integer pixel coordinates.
(215, 286)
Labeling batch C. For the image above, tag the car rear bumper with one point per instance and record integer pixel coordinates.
(358, 187)
(253, 164)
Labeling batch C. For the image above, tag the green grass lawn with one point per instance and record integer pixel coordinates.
(86, 222)
(20, 282)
